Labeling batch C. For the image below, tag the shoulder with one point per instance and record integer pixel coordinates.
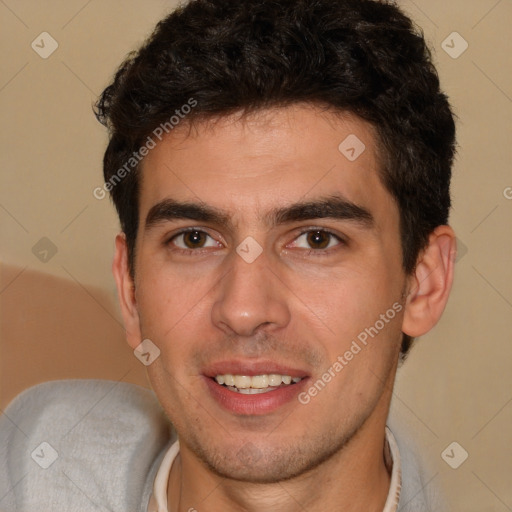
(75, 444)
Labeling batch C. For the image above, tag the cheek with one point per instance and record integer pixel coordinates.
(165, 297)
(347, 303)
(360, 317)
(363, 341)
(174, 314)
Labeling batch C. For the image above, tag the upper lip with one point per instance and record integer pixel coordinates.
(252, 368)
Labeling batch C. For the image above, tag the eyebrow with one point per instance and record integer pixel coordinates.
(332, 207)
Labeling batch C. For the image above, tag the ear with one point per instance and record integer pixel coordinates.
(431, 282)
(126, 292)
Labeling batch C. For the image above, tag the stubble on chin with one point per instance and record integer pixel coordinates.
(262, 462)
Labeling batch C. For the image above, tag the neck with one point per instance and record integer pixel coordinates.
(353, 479)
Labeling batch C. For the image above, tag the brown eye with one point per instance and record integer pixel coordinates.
(194, 239)
(318, 239)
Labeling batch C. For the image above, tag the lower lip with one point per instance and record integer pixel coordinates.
(254, 405)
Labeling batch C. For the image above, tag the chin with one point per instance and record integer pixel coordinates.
(265, 463)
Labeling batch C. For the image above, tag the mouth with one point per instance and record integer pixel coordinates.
(248, 388)
(256, 384)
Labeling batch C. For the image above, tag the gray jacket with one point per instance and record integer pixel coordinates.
(95, 445)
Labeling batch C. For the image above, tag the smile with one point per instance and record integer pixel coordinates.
(256, 384)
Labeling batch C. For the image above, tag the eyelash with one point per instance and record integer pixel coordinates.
(322, 252)
(309, 252)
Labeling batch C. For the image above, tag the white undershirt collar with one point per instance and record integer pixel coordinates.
(158, 501)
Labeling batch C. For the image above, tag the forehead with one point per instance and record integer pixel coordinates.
(249, 164)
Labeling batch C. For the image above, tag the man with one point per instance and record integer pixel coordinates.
(281, 172)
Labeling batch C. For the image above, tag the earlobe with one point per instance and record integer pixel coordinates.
(126, 292)
(430, 284)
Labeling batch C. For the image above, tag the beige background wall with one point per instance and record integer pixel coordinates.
(60, 318)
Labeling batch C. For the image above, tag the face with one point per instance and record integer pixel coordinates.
(268, 273)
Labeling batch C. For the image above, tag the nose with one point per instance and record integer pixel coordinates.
(250, 297)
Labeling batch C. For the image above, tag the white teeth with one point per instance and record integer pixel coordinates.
(250, 391)
(256, 383)
(274, 379)
(243, 381)
(259, 381)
